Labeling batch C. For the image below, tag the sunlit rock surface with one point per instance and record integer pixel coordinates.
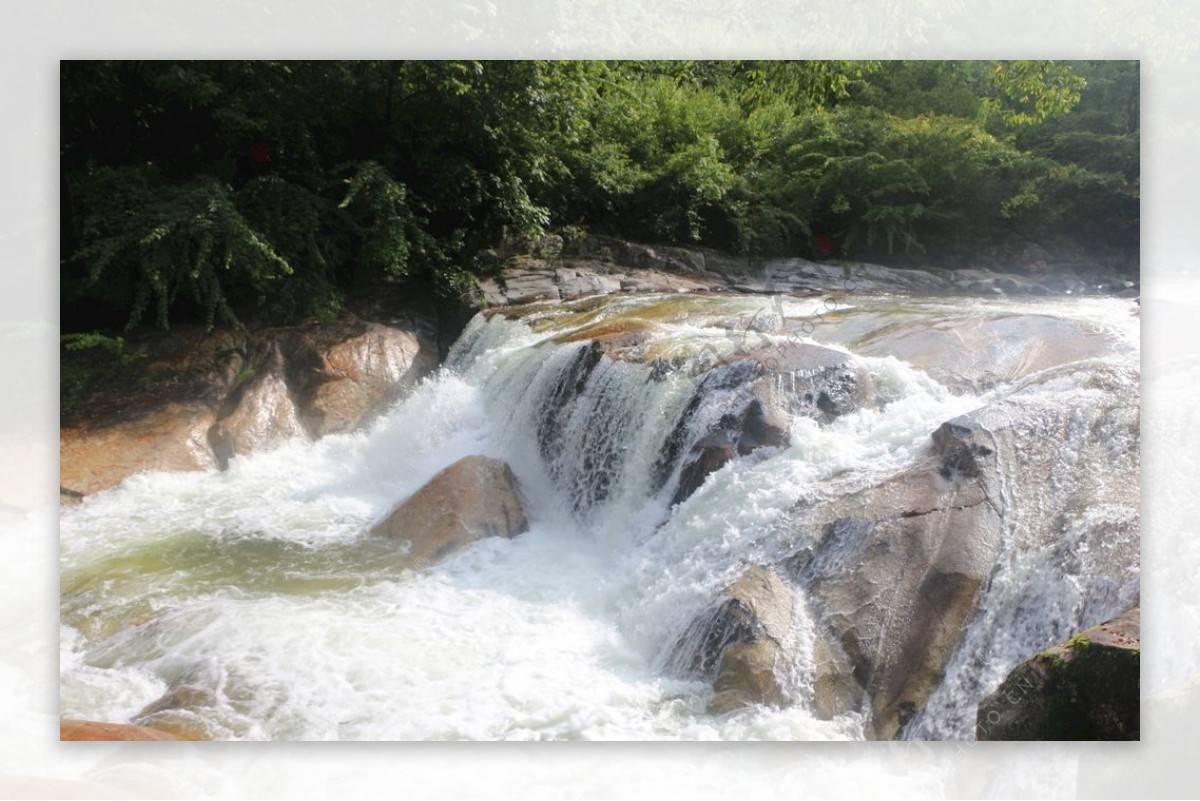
(474, 498)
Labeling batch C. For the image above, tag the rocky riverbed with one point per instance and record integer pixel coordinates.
(651, 493)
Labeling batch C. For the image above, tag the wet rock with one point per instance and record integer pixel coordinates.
(343, 376)
(895, 571)
(978, 352)
(814, 381)
(708, 455)
(90, 731)
(737, 641)
(759, 604)
(894, 575)
(1087, 688)
(181, 711)
(739, 435)
(208, 397)
(258, 414)
(173, 437)
(751, 399)
(474, 498)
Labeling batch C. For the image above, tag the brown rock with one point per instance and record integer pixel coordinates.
(737, 641)
(977, 352)
(90, 731)
(175, 437)
(344, 376)
(896, 570)
(198, 399)
(258, 414)
(894, 577)
(473, 498)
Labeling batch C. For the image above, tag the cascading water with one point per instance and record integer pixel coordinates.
(252, 603)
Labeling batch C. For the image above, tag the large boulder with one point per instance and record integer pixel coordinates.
(172, 437)
(90, 731)
(747, 402)
(258, 413)
(474, 498)
(343, 375)
(1087, 688)
(894, 574)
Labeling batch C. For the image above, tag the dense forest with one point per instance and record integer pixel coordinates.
(205, 191)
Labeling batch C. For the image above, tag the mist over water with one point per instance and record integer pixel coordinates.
(261, 585)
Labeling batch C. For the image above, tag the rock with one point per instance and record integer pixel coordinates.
(635, 255)
(473, 498)
(1065, 283)
(574, 283)
(707, 456)
(736, 642)
(181, 711)
(529, 286)
(739, 435)
(1087, 688)
(205, 398)
(258, 414)
(342, 376)
(894, 571)
(785, 274)
(978, 352)
(90, 731)
(758, 604)
(173, 437)
(751, 398)
(812, 380)
(894, 575)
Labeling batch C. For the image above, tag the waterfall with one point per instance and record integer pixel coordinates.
(259, 592)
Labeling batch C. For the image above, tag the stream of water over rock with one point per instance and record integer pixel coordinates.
(253, 604)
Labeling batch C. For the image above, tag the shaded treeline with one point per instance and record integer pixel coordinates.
(207, 190)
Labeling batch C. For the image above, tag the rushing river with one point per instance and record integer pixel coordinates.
(259, 592)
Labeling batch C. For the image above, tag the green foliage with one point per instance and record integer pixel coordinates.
(88, 358)
(382, 218)
(206, 189)
(165, 239)
(1030, 92)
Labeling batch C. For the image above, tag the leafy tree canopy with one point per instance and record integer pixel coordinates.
(203, 190)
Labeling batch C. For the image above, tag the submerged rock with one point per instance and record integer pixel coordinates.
(978, 352)
(1087, 688)
(474, 498)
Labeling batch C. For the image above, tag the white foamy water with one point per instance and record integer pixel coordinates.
(261, 587)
